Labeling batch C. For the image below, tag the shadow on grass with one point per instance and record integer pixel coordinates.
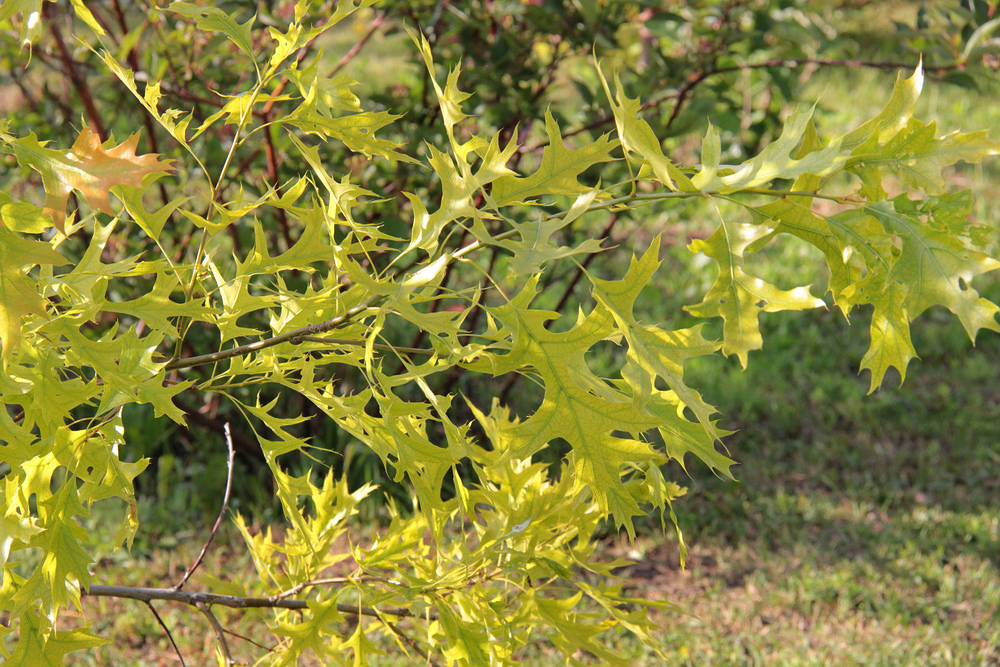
(858, 520)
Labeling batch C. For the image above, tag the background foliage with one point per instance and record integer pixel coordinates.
(729, 63)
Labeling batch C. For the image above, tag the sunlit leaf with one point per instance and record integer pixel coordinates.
(87, 167)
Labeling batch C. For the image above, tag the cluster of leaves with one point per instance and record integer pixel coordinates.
(738, 63)
(323, 309)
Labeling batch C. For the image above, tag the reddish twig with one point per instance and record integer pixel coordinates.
(409, 640)
(799, 62)
(507, 386)
(304, 51)
(272, 172)
(147, 119)
(244, 443)
(104, 24)
(583, 267)
(79, 83)
(776, 62)
(356, 49)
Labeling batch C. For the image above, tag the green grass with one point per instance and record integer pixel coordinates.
(863, 529)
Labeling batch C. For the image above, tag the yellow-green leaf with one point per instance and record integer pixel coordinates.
(216, 20)
(559, 171)
(739, 297)
(18, 294)
(890, 331)
(637, 137)
(937, 268)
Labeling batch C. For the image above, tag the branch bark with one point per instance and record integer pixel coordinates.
(290, 336)
(79, 82)
(235, 601)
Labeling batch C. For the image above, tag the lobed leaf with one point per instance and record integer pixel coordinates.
(214, 19)
(739, 297)
(87, 167)
(18, 295)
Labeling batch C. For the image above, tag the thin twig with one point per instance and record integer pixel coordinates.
(222, 511)
(79, 83)
(297, 335)
(133, 60)
(290, 336)
(247, 639)
(235, 601)
(298, 588)
(377, 346)
(700, 78)
(272, 171)
(586, 263)
(409, 640)
(245, 443)
(280, 88)
(220, 632)
(166, 630)
(799, 62)
(682, 96)
(356, 49)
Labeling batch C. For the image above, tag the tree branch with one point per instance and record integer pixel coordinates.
(409, 640)
(790, 63)
(297, 335)
(234, 601)
(356, 49)
(170, 636)
(605, 234)
(290, 336)
(222, 511)
(298, 588)
(377, 346)
(79, 83)
(220, 632)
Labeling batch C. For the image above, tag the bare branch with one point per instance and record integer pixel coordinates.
(409, 640)
(606, 234)
(271, 153)
(298, 588)
(356, 49)
(166, 630)
(235, 601)
(222, 511)
(681, 94)
(220, 632)
(79, 83)
(248, 640)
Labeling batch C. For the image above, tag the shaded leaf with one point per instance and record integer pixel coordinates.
(936, 268)
(215, 20)
(18, 294)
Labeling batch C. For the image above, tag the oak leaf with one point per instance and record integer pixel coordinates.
(88, 167)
